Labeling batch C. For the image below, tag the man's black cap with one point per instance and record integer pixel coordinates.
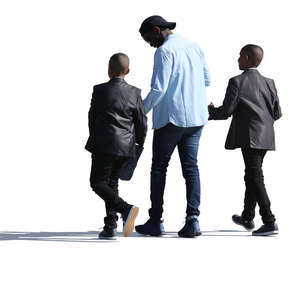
(149, 23)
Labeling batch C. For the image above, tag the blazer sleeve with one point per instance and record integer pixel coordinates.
(229, 104)
(140, 121)
(91, 114)
(275, 101)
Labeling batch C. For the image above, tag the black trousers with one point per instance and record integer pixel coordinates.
(255, 187)
(104, 180)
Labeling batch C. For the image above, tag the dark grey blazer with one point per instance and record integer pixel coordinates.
(117, 119)
(252, 100)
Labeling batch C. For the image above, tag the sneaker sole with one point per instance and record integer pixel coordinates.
(265, 233)
(107, 238)
(157, 233)
(190, 236)
(150, 234)
(129, 225)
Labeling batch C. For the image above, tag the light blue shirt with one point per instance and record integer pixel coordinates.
(177, 93)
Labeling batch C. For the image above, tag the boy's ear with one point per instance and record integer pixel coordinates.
(128, 70)
(109, 72)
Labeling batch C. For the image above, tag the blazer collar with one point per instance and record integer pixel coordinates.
(251, 71)
(117, 79)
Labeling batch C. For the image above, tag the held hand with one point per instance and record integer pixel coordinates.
(210, 109)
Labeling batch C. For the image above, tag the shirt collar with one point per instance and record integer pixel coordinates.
(170, 36)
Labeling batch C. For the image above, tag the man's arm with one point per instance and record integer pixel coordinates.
(229, 104)
(206, 72)
(140, 121)
(160, 79)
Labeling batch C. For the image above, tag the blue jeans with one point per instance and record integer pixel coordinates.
(164, 142)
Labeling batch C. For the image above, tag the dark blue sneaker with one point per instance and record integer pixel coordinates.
(152, 228)
(191, 228)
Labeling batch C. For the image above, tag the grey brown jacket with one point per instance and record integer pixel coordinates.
(252, 100)
(117, 119)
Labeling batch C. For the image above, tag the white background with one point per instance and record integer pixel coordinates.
(52, 53)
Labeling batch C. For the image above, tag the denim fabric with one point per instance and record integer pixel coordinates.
(165, 141)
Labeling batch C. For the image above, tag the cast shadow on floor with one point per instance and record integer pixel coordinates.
(78, 237)
(92, 236)
(204, 233)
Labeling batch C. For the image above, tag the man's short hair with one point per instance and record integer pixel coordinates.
(254, 52)
(119, 63)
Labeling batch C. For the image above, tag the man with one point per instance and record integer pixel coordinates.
(178, 100)
(252, 100)
(116, 122)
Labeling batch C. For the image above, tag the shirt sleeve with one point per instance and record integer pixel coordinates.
(207, 77)
(160, 78)
(206, 72)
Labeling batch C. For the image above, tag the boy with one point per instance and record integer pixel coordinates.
(117, 122)
(252, 100)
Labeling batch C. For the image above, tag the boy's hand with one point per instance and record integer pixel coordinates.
(210, 108)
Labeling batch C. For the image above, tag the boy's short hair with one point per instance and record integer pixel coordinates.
(254, 52)
(119, 63)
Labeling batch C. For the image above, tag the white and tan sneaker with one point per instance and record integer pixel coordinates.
(129, 220)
